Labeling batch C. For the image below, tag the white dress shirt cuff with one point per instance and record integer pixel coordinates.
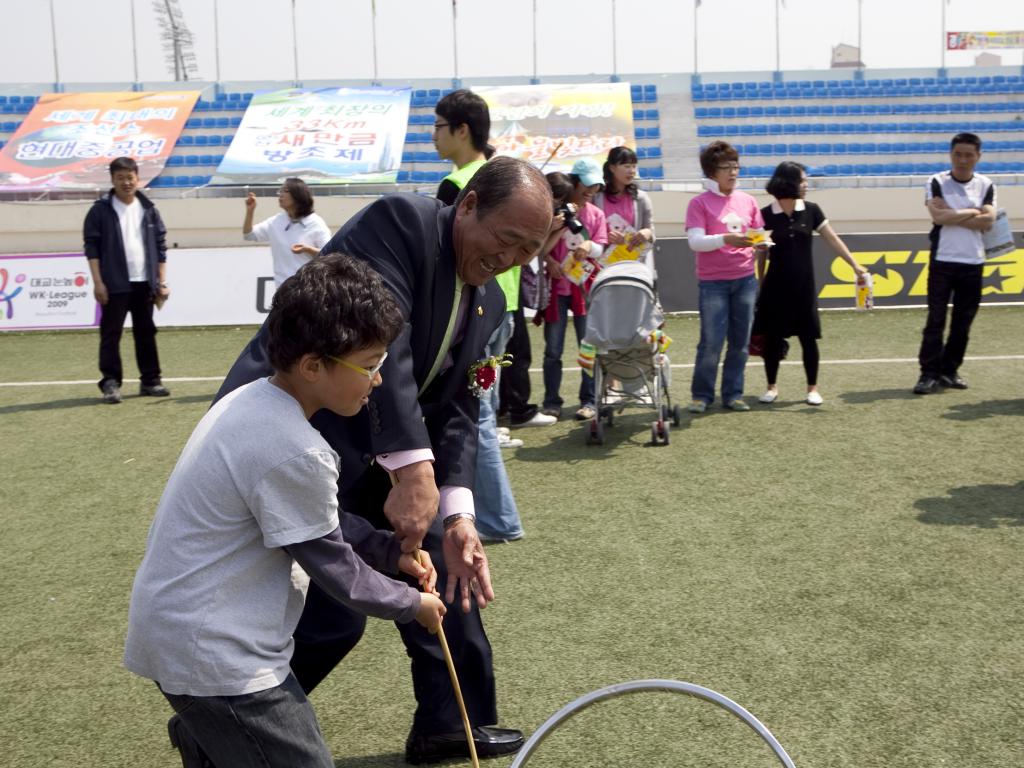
(455, 500)
(699, 241)
(395, 461)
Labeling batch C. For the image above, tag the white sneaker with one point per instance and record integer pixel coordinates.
(769, 397)
(814, 398)
(504, 441)
(503, 431)
(539, 420)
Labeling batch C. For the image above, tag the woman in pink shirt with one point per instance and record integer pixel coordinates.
(567, 247)
(717, 221)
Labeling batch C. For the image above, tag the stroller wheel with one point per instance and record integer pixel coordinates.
(595, 433)
(677, 416)
(610, 417)
(659, 433)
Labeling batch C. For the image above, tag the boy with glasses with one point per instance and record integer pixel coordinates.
(249, 510)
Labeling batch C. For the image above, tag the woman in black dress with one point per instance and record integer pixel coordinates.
(788, 301)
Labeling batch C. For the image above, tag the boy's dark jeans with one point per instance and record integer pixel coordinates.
(275, 727)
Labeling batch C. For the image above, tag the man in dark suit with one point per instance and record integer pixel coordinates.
(420, 430)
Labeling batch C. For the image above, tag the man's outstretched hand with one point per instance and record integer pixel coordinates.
(468, 572)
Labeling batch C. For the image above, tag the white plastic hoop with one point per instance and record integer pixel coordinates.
(619, 689)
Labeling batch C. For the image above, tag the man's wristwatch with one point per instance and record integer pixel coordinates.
(451, 520)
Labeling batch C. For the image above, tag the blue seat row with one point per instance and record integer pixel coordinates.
(223, 105)
(645, 114)
(782, 129)
(28, 100)
(175, 161)
(9, 126)
(652, 172)
(643, 94)
(648, 153)
(188, 140)
(856, 110)
(868, 148)
(853, 92)
(15, 109)
(213, 122)
(647, 133)
(421, 157)
(180, 181)
(869, 83)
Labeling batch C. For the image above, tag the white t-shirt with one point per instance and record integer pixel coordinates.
(216, 599)
(130, 219)
(282, 233)
(949, 241)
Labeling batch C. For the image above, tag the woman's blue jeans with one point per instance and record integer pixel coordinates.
(554, 345)
(726, 314)
(497, 516)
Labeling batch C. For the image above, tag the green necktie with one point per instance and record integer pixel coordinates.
(460, 286)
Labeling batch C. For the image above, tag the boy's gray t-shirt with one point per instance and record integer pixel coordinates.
(216, 599)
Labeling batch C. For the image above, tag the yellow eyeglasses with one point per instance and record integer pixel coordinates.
(367, 372)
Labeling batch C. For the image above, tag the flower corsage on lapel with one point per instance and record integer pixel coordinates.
(483, 373)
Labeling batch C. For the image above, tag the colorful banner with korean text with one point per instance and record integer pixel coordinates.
(559, 124)
(980, 41)
(326, 136)
(68, 139)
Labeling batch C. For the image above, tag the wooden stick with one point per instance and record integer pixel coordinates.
(455, 684)
(451, 666)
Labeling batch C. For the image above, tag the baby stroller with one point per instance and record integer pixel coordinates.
(623, 321)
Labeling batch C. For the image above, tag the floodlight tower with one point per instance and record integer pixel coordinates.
(176, 39)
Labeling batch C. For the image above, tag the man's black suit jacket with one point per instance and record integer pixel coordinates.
(408, 240)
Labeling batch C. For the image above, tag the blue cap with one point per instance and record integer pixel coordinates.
(589, 172)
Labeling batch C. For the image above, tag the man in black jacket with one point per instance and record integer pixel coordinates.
(127, 253)
(420, 430)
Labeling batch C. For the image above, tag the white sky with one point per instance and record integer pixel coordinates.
(94, 41)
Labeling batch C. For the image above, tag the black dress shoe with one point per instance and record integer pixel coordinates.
(433, 748)
(952, 382)
(153, 390)
(926, 385)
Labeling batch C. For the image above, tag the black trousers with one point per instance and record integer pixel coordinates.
(962, 284)
(328, 630)
(773, 354)
(514, 385)
(139, 302)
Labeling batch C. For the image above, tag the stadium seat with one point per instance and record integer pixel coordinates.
(651, 114)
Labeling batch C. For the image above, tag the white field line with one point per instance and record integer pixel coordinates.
(678, 366)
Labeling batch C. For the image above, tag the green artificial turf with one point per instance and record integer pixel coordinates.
(851, 574)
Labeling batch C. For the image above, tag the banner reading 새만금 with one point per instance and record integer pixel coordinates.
(572, 121)
(354, 135)
(68, 139)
